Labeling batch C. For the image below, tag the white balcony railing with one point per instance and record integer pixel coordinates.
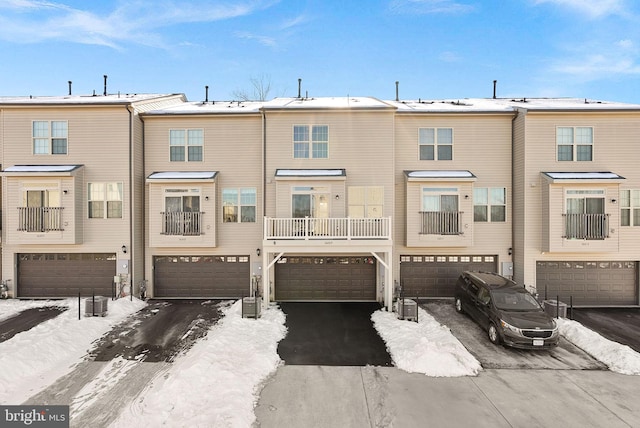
(327, 228)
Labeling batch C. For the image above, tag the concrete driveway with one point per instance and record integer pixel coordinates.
(621, 325)
(565, 356)
(27, 319)
(332, 334)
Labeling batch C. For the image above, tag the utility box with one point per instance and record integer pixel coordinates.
(555, 308)
(251, 307)
(96, 306)
(407, 309)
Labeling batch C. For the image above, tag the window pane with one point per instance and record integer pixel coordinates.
(445, 136)
(114, 209)
(426, 153)
(191, 203)
(426, 136)
(300, 133)
(625, 198)
(498, 213)
(445, 152)
(584, 153)
(195, 137)
(301, 150)
(40, 129)
(59, 129)
(230, 214)
(248, 214)
(96, 209)
(321, 150)
(59, 146)
(584, 136)
(636, 217)
(114, 191)
(195, 154)
(480, 196)
(431, 203)
(230, 197)
(498, 196)
(625, 217)
(564, 135)
(176, 154)
(480, 213)
(41, 146)
(248, 196)
(176, 137)
(565, 153)
(320, 133)
(96, 192)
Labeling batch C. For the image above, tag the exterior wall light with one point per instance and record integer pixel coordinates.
(124, 249)
(258, 251)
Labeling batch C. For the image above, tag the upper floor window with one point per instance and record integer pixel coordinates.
(440, 215)
(490, 204)
(574, 143)
(239, 205)
(435, 143)
(311, 141)
(50, 137)
(186, 145)
(105, 200)
(630, 208)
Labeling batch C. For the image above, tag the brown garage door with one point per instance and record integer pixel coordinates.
(65, 274)
(590, 283)
(339, 278)
(436, 276)
(201, 276)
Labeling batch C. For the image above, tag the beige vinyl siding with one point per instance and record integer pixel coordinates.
(482, 145)
(361, 142)
(233, 148)
(615, 149)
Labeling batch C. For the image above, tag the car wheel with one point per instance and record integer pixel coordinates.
(458, 305)
(494, 336)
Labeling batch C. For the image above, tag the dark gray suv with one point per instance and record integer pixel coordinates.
(508, 312)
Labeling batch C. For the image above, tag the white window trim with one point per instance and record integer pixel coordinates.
(489, 205)
(435, 142)
(105, 200)
(50, 138)
(239, 204)
(310, 141)
(574, 145)
(631, 208)
(186, 144)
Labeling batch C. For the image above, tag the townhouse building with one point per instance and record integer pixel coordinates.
(72, 192)
(324, 199)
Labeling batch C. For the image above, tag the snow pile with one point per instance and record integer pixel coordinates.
(620, 358)
(216, 382)
(34, 359)
(424, 347)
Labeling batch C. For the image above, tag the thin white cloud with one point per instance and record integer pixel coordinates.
(591, 8)
(617, 59)
(263, 40)
(429, 6)
(29, 21)
(294, 22)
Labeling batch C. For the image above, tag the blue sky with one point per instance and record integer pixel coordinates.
(436, 49)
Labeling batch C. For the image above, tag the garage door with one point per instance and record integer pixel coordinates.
(590, 283)
(436, 276)
(201, 276)
(326, 278)
(64, 274)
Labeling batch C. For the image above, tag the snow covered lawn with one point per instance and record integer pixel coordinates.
(34, 359)
(424, 347)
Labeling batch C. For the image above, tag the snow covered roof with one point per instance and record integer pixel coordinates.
(81, 99)
(41, 169)
(282, 173)
(607, 176)
(182, 175)
(435, 174)
(327, 103)
(211, 107)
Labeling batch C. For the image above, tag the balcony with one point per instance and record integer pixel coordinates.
(182, 223)
(586, 226)
(40, 219)
(441, 223)
(310, 228)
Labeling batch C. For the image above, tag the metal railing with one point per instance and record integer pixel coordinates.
(40, 219)
(441, 222)
(182, 223)
(586, 226)
(327, 228)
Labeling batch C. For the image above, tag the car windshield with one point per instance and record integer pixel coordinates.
(514, 300)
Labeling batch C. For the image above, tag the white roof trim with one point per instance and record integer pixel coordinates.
(440, 175)
(311, 173)
(182, 175)
(66, 170)
(605, 176)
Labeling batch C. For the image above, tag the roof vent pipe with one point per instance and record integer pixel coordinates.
(105, 85)
(299, 88)
(206, 94)
(495, 82)
(397, 97)
(70, 87)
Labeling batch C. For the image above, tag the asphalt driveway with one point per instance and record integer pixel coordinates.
(332, 334)
(565, 356)
(621, 325)
(27, 319)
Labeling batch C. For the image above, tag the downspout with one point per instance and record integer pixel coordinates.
(266, 294)
(132, 248)
(513, 184)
